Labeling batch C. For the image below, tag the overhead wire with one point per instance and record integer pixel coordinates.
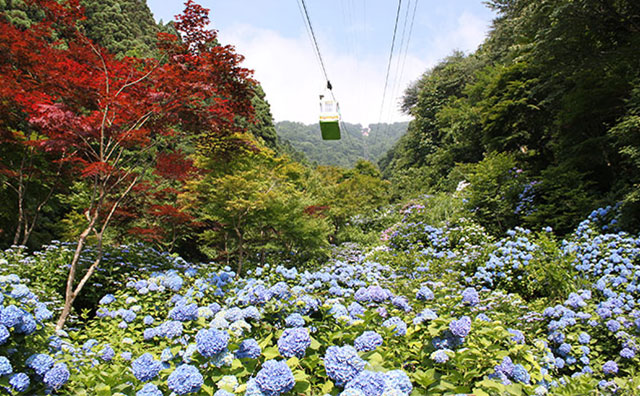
(305, 16)
(399, 73)
(386, 79)
(413, 17)
(398, 58)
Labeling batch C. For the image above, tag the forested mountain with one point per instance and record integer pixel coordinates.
(344, 152)
(552, 96)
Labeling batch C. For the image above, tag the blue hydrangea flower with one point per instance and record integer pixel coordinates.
(518, 336)
(470, 296)
(275, 378)
(424, 294)
(185, 379)
(397, 324)
(398, 380)
(294, 320)
(20, 382)
(107, 353)
(342, 364)
(173, 282)
(149, 390)
(368, 341)
(170, 329)
(584, 338)
(251, 313)
(521, 374)
(42, 313)
(185, 312)
(27, 324)
(461, 327)
(249, 349)
(5, 366)
(211, 342)
(20, 291)
(148, 320)
(351, 392)
(506, 367)
(57, 376)
(440, 356)
(4, 334)
(11, 316)
(402, 303)
(233, 314)
(107, 299)
(371, 383)
(356, 310)
(294, 342)
(252, 388)
(610, 367)
(40, 363)
(564, 349)
(145, 368)
(222, 392)
(627, 353)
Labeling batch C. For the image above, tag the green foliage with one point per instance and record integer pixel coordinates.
(256, 205)
(563, 198)
(124, 27)
(348, 193)
(495, 184)
(554, 85)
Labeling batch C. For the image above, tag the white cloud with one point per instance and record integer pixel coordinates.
(291, 76)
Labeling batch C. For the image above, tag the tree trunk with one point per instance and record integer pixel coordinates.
(70, 296)
(20, 191)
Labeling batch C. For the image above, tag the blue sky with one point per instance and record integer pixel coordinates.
(354, 38)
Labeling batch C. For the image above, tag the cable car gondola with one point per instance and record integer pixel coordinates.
(329, 116)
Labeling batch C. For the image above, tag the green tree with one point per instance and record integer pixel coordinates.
(254, 205)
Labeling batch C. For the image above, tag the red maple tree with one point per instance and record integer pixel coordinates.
(112, 119)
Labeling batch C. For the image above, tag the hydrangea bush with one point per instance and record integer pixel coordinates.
(442, 311)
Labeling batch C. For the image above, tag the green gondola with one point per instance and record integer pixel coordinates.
(329, 118)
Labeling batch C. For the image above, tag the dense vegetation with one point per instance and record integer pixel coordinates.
(553, 94)
(430, 310)
(345, 152)
(161, 236)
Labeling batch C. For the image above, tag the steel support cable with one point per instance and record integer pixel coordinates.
(393, 40)
(305, 15)
(315, 44)
(406, 48)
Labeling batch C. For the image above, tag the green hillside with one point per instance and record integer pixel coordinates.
(347, 151)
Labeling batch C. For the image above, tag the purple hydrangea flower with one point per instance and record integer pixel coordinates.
(461, 327)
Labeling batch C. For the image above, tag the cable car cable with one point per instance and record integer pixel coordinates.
(399, 76)
(315, 44)
(393, 40)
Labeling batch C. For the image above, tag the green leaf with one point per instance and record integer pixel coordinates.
(103, 390)
(270, 353)
(301, 386)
